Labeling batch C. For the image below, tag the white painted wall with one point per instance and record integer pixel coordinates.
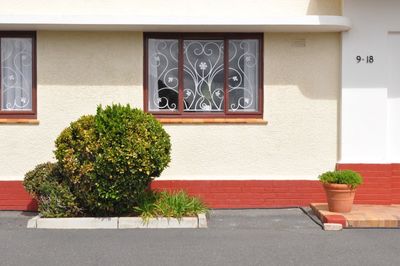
(393, 97)
(174, 15)
(172, 8)
(370, 94)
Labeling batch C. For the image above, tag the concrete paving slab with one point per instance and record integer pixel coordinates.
(77, 223)
(159, 223)
(202, 219)
(361, 216)
(32, 223)
(332, 227)
(117, 223)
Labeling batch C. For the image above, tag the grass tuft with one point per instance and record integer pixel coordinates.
(171, 205)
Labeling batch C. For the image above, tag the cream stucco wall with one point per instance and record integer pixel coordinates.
(79, 70)
(76, 71)
(300, 105)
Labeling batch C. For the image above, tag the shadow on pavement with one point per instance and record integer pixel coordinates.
(280, 219)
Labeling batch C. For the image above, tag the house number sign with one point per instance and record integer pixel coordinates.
(369, 59)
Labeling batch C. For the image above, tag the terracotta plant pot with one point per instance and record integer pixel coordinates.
(340, 197)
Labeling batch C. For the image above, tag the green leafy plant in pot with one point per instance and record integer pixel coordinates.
(340, 188)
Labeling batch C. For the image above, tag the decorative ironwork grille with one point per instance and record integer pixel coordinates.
(16, 74)
(203, 86)
(243, 78)
(217, 76)
(163, 75)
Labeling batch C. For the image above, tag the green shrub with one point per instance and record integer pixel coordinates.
(76, 149)
(55, 199)
(166, 204)
(348, 177)
(109, 159)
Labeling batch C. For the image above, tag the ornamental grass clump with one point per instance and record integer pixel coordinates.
(169, 204)
(347, 177)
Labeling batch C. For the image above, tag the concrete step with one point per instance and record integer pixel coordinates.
(361, 216)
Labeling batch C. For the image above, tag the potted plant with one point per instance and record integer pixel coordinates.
(340, 188)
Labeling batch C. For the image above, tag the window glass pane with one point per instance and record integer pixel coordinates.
(203, 76)
(16, 74)
(163, 75)
(243, 75)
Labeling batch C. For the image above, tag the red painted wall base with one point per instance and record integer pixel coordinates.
(381, 183)
(14, 197)
(381, 186)
(251, 193)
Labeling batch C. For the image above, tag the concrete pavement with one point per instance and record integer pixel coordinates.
(234, 237)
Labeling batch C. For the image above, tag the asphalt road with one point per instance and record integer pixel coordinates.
(239, 237)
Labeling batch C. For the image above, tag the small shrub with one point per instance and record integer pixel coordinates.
(76, 149)
(110, 159)
(53, 195)
(166, 204)
(348, 177)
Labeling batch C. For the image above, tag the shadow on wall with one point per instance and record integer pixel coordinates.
(325, 7)
(90, 58)
(307, 61)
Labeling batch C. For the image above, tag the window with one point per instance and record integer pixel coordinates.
(17, 75)
(203, 75)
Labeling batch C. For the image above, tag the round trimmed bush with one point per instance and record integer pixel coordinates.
(109, 159)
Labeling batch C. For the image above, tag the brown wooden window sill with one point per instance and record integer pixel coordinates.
(19, 121)
(255, 121)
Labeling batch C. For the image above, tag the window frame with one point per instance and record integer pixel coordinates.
(181, 37)
(22, 114)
